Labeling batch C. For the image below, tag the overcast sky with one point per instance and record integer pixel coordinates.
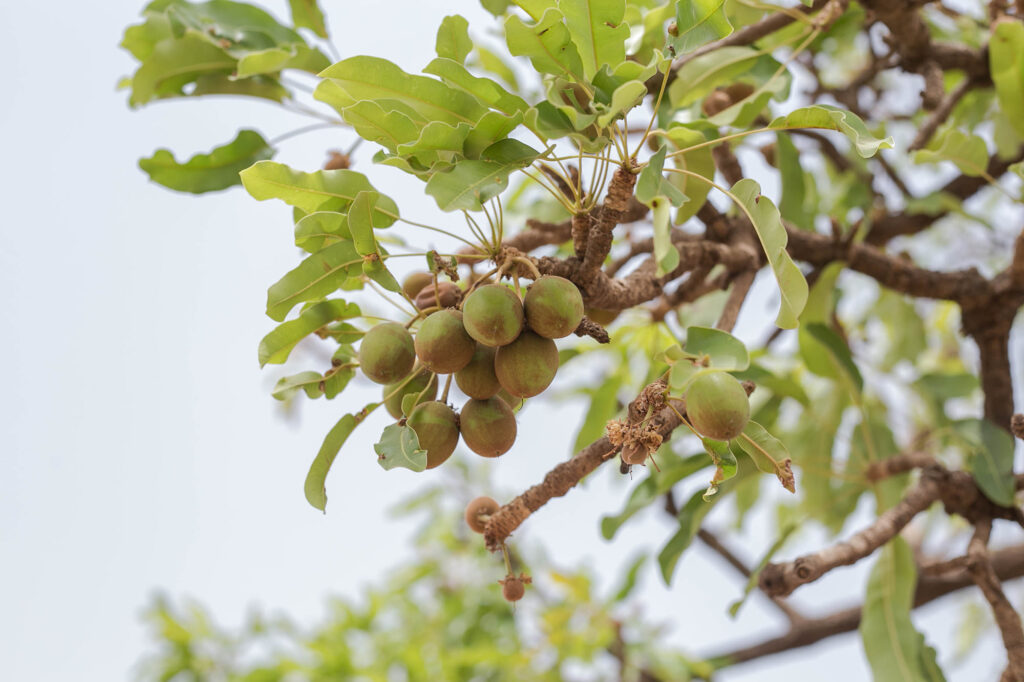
(140, 448)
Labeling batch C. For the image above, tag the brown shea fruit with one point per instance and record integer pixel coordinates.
(602, 317)
(526, 366)
(716, 102)
(739, 91)
(477, 379)
(513, 588)
(480, 506)
(442, 344)
(488, 426)
(414, 283)
(387, 353)
(337, 161)
(493, 315)
(634, 454)
(553, 307)
(717, 406)
(423, 380)
(437, 427)
(448, 293)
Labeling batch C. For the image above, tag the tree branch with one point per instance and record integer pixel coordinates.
(981, 570)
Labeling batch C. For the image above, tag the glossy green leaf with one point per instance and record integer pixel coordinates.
(321, 228)
(276, 346)
(453, 41)
(597, 30)
(653, 487)
(316, 492)
(307, 14)
(699, 22)
(827, 117)
(485, 90)
(372, 78)
(317, 276)
(768, 453)
(470, 183)
(1006, 65)
(768, 225)
(210, 172)
(399, 446)
(968, 152)
(990, 458)
(690, 517)
(721, 349)
(332, 190)
(891, 643)
(547, 43)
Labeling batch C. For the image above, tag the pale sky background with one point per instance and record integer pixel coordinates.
(140, 449)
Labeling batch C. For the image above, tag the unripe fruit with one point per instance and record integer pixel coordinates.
(553, 306)
(387, 353)
(414, 283)
(442, 344)
(448, 293)
(488, 426)
(477, 379)
(437, 427)
(481, 506)
(717, 406)
(415, 385)
(716, 102)
(526, 366)
(513, 588)
(602, 317)
(493, 315)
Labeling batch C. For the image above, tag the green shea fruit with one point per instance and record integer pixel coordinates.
(493, 315)
(414, 283)
(423, 380)
(387, 353)
(717, 406)
(481, 506)
(488, 426)
(526, 366)
(553, 307)
(437, 427)
(477, 379)
(442, 344)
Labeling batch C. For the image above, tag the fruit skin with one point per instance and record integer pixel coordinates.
(415, 385)
(437, 427)
(488, 426)
(442, 344)
(717, 406)
(553, 306)
(387, 353)
(477, 379)
(602, 317)
(414, 283)
(480, 505)
(526, 366)
(513, 588)
(493, 315)
(447, 292)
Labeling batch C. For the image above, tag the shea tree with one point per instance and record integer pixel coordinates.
(617, 182)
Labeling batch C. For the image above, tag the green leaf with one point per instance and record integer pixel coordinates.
(630, 579)
(321, 228)
(891, 644)
(372, 123)
(701, 75)
(547, 43)
(336, 379)
(828, 117)
(651, 488)
(485, 90)
(379, 273)
(287, 387)
(331, 190)
(768, 225)
(372, 78)
(839, 353)
(276, 346)
(360, 222)
(752, 581)
(651, 182)
(1006, 65)
(604, 405)
(243, 26)
(316, 493)
(210, 172)
(597, 30)
(470, 183)
(453, 41)
(725, 464)
(264, 87)
(173, 64)
(689, 518)
(624, 98)
(722, 349)
(665, 253)
(768, 453)
(276, 59)
(968, 152)
(399, 446)
(699, 22)
(307, 14)
(698, 161)
(317, 276)
(990, 458)
(794, 190)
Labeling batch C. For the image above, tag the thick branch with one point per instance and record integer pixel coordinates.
(599, 239)
(981, 570)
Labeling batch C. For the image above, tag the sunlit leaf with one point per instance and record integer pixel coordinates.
(721, 349)
(470, 183)
(399, 446)
(307, 14)
(991, 458)
(485, 90)
(316, 492)
(968, 152)
(453, 41)
(768, 453)
(210, 172)
(699, 22)
(1006, 65)
(318, 275)
(276, 346)
(547, 43)
(597, 30)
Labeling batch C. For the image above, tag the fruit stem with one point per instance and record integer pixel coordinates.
(508, 561)
(447, 385)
